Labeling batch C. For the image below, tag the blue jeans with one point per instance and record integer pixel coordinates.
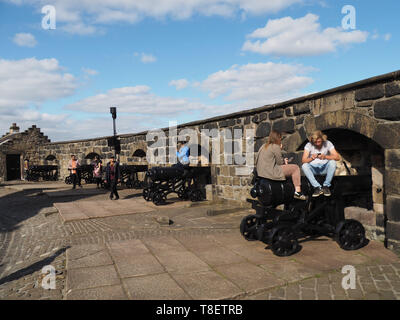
(328, 168)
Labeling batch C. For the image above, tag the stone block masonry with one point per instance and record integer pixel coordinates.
(369, 109)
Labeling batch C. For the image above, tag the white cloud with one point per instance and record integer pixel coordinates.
(387, 36)
(257, 84)
(138, 100)
(145, 57)
(25, 40)
(179, 84)
(31, 82)
(81, 16)
(300, 37)
(148, 58)
(90, 72)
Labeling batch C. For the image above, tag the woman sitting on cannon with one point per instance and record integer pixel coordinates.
(271, 165)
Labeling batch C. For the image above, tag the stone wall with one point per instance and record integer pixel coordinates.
(24, 143)
(369, 108)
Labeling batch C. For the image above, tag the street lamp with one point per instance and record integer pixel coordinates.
(113, 111)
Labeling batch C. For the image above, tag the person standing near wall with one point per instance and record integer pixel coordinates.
(97, 171)
(113, 177)
(26, 168)
(73, 166)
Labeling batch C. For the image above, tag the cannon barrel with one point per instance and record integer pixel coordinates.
(274, 193)
(164, 173)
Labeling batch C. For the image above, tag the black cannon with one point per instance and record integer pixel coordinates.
(187, 183)
(129, 175)
(320, 216)
(44, 172)
(84, 172)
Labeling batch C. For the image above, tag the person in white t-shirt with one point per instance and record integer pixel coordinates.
(320, 158)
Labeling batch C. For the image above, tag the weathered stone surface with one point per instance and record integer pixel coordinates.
(388, 135)
(284, 125)
(393, 208)
(263, 130)
(392, 89)
(368, 93)
(300, 119)
(392, 181)
(301, 108)
(292, 142)
(259, 143)
(263, 116)
(275, 114)
(255, 119)
(393, 230)
(392, 159)
(388, 109)
(289, 111)
(380, 220)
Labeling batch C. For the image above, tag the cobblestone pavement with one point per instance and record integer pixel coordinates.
(31, 239)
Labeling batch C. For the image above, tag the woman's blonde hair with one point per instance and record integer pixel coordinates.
(274, 138)
(317, 135)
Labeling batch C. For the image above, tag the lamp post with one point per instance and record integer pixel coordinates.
(113, 111)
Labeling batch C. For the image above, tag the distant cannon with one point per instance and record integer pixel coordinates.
(129, 175)
(281, 229)
(44, 172)
(185, 182)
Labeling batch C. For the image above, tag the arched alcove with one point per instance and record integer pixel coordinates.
(50, 157)
(92, 156)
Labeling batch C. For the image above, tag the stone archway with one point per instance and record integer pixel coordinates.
(383, 133)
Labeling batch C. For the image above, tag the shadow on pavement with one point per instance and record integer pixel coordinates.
(33, 267)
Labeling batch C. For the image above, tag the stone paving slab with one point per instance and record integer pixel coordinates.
(154, 287)
(89, 209)
(188, 267)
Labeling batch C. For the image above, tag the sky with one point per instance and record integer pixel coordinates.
(63, 64)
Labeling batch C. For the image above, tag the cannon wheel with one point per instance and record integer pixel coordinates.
(147, 194)
(129, 184)
(283, 241)
(183, 193)
(68, 180)
(196, 195)
(159, 198)
(350, 234)
(248, 228)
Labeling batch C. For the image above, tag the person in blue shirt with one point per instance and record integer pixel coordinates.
(182, 154)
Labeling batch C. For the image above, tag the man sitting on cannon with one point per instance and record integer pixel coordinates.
(182, 155)
(320, 158)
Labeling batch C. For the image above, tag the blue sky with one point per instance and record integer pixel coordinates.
(165, 60)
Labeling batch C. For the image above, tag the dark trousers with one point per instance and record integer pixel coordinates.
(113, 187)
(98, 182)
(75, 179)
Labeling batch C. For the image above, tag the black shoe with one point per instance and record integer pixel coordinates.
(317, 192)
(116, 198)
(326, 191)
(111, 198)
(299, 196)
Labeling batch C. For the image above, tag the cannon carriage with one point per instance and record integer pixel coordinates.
(44, 172)
(185, 182)
(129, 175)
(321, 216)
(84, 172)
